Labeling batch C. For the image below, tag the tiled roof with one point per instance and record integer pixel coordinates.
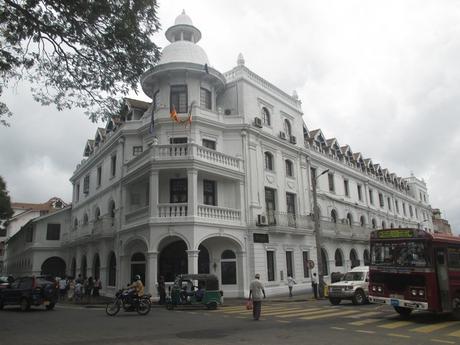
(135, 103)
(47, 206)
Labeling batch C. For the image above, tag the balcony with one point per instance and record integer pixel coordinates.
(104, 227)
(343, 230)
(288, 222)
(188, 151)
(174, 210)
(215, 214)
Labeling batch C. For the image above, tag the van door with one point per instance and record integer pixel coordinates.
(443, 278)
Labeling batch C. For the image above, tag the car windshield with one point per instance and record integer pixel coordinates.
(402, 254)
(350, 276)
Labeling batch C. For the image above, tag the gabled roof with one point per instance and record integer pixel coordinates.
(357, 156)
(317, 134)
(135, 103)
(89, 147)
(346, 150)
(54, 203)
(100, 135)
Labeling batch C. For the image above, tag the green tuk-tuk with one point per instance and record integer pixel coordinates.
(194, 289)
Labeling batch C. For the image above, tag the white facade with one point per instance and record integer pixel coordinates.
(206, 196)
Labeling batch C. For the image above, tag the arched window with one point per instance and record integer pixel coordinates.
(338, 258)
(287, 128)
(333, 216)
(384, 226)
(374, 223)
(354, 258)
(97, 214)
(112, 270)
(268, 161)
(265, 116)
(324, 262)
(349, 219)
(85, 219)
(366, 257)
(362, 221)
(228, 267)
(289, 168)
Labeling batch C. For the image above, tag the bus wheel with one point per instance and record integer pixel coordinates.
(404, 312)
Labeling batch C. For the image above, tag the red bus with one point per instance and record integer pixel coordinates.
(412, 269)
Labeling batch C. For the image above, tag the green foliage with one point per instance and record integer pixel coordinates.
(6, 211)
(77, 53)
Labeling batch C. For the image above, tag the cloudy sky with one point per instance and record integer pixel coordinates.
(381, 76)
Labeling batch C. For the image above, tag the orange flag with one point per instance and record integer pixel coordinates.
(173, 114)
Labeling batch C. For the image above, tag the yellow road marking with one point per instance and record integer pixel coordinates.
(397, 324)
(338, 328)
(308, 312)
(323, 316)
(283, 312)
(283, 321)
(455, 334)
(364, 322)
(435, 327)
(398, 335)
(371, 313)
(245, 311)
(362, 331)
(442, 341)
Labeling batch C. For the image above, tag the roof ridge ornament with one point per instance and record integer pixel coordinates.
(240, 61)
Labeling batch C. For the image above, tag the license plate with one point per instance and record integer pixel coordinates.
(46, 302)
(394, 302)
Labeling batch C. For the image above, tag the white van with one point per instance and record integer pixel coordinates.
(354, 286)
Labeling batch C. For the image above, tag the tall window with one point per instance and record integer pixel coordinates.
(228, 267)
(397, 205)
(389, 203)
(360, 192)
(290, 203)
(350, 219)
(289, 264)
(178, 97)
(333, 216)
(271, 265)
(205, 98)
(77, 192)
(289, 168)
(287, 128)
(209, 192)
(346, 188)
(210, 144)
(381, 201)
(338, 258)
(113, 165)
(268, 161)
(331, 182)
(178, 190)
(306, 269)
(404, 208)
(53, 232)
(371, 196)
(99, 175)
(112, 270)
(270, 205)
(86, 184)
(411, 212)
(265, 116)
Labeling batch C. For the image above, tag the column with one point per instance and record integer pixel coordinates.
(151, 273)
(153, 193)
(123, 271)
(192, 261)
(242, 274)
(124, 205)
(103, 277)
(192, 188)
(242, 203)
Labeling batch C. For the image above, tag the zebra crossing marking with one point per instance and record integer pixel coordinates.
(323, 316)
(442, 341)
(454, 334)
(307, 312)
(371, 313)
(290, 311)
(434, 327)
(363, 331)
(364, 322)
(396, 324)
(396, 335)
(339, 328)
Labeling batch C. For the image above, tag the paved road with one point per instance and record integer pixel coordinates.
(314, 322)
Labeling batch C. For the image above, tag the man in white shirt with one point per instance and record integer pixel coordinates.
(290, 281)
(256, 291)
(314, 285)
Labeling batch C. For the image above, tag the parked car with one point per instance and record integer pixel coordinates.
(354, 286)
(30, 291)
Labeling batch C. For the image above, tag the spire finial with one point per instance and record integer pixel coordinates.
(183, 11)
(240, 60)
(295, 95)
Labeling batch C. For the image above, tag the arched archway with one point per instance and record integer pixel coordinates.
(138, 264)
(324, 261)
(173, 259)
(54, 266)
(203, 259)
(96, 266)
(366, 258)
(338, 258)
(228, 267)
(83, 267)
(354, 258)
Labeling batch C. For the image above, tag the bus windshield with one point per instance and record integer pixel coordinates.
(402, 254)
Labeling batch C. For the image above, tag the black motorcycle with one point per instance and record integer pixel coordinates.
(127, 300)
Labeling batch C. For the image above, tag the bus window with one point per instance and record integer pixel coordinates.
(440, 257)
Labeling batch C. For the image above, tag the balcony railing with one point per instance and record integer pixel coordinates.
(289, 220)
(343, 230)
(219, 213)
(184, 152)
(173, 210)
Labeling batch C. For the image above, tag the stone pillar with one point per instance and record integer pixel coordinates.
(151, 273)
(192, 186)
(103, 276)
(242, 274)
(242, 203)
(153, 193)
(192, 261)
(123, 271)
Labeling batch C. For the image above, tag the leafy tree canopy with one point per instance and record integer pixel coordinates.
(6, 212)
(77, 53)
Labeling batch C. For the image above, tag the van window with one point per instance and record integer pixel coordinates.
(349, 276)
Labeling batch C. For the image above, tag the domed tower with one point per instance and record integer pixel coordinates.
(183, 75)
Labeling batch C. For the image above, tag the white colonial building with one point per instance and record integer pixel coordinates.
(224, 187)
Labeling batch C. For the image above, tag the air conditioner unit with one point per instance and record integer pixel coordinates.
(293, 139)
(262, 219)
(283, 135)
(258, 122)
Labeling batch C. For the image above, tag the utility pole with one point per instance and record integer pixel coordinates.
(318, 236)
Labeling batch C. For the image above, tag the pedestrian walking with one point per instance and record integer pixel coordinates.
(89, 288)
(256, 291)
(314, 285)
(97, 287)
(71, 290)
(161, 290)
(62, 288)
(291, 282)
(78, 291)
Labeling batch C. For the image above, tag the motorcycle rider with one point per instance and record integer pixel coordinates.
(137, 289)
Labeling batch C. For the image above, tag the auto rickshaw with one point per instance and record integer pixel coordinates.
(194, 289)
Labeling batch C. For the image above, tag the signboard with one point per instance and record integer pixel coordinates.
(395, 233)
(311, 264)
(260, 238)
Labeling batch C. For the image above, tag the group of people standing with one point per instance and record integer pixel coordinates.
(79, 289)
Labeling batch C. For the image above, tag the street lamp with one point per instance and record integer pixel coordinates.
(318, 236)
